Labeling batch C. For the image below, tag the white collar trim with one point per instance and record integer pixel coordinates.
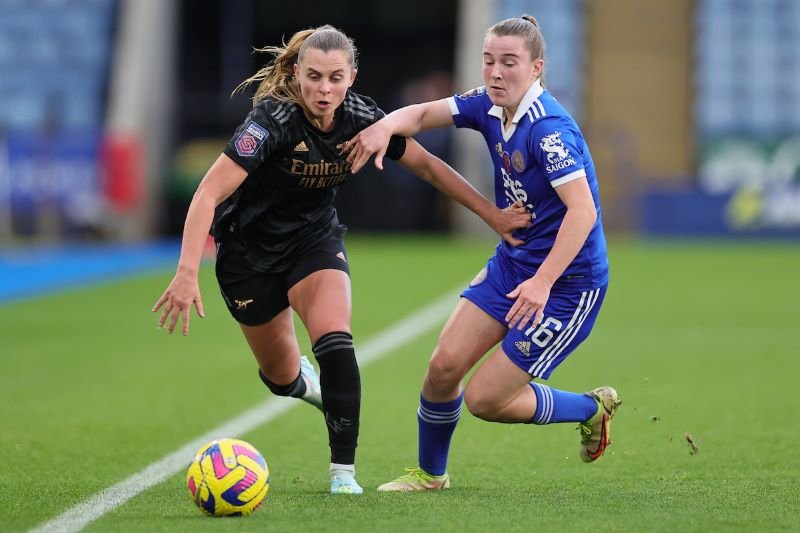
(534, 92)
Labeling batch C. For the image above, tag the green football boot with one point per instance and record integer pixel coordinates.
(416, 479)
(596, 432)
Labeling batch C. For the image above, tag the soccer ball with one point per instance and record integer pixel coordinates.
(228, 477)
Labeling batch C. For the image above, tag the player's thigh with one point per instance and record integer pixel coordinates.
(477, 323)
(275, 347)
(258, 302)
(468, 335)
(495, 383)
(323, 301)
(319, 287)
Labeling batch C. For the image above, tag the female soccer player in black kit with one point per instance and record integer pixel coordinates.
(268, 200)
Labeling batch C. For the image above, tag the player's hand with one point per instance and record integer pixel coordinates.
(530, 298)
(177, 300)
(513, 217)
(373, 140)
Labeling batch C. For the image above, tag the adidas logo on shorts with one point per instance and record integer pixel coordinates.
(524, 347)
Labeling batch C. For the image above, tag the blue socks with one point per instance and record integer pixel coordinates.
(553, 405)
(437, 422)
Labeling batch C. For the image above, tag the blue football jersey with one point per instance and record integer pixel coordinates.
(542, 149)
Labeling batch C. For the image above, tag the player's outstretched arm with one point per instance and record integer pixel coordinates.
(220, 181)
(405, 122)
(443, 177)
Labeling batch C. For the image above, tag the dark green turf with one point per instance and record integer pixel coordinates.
(699, 338)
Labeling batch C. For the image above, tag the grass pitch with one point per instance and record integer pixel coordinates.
(700, 339)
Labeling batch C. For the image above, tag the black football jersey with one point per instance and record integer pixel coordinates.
(286, 203)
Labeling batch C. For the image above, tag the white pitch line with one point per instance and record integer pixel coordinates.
(77, 517)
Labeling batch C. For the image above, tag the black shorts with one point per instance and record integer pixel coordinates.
(257, 298)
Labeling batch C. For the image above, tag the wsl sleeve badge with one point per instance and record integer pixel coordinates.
(251, 139)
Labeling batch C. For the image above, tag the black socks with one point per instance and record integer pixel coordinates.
(341, 393)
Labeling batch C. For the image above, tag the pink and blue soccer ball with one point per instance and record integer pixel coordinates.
(228, 477)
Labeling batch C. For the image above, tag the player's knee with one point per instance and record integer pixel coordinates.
(444, 372)
(479, 404)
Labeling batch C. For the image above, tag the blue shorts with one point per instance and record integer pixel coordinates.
(568, 317)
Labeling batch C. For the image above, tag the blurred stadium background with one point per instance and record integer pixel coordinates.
(112, 110)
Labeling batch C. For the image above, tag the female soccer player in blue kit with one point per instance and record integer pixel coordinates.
(540, 299)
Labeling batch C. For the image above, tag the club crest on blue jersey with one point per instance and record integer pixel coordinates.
(251, 139)
(517, 161)
(558, 155)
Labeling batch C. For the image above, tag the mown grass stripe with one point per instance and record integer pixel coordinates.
(378, 346)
